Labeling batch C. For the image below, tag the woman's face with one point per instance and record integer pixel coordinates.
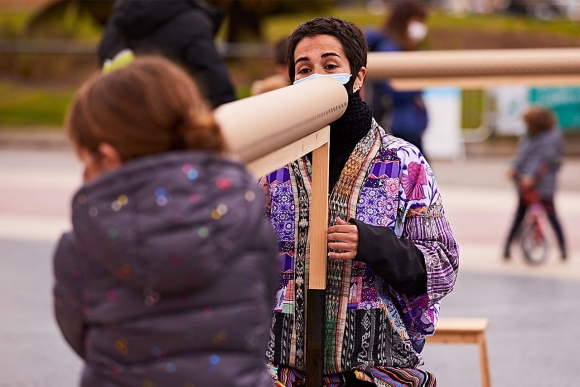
(322, 54)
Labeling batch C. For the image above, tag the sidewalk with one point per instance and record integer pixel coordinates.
(51, 138)
(532, 311)
(41, 138)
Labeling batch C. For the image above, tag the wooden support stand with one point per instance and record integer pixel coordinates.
(317, 269)
(314, 337)
(318, 144)
(465, 331)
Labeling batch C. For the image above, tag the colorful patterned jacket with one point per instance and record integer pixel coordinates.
(385, 182)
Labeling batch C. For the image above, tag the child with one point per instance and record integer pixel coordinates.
(534, 168)
(278, 80)
(169, 274)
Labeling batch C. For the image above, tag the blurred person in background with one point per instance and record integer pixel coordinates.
(392, 256)
(278, 80)
(534, 170)
(182, 30)
(169, 274)
(403, 113)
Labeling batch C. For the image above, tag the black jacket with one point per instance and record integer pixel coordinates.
(183, 30)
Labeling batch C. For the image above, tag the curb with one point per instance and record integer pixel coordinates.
(56, 139)
(34, 140)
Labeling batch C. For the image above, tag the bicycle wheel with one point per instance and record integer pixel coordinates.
(534, 245)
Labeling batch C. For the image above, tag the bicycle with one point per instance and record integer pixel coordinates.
(533, 240)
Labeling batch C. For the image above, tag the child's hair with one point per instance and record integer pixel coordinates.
(538, 119)
(149, 106)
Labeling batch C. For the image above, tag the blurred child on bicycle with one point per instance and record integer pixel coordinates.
(169, 275)
(534, 170)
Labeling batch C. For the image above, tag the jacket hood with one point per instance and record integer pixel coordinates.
(167, 222)
(139, 18)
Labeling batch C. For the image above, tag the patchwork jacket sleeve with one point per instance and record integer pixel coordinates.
(67, 297)
(265, 184)
(421, 219)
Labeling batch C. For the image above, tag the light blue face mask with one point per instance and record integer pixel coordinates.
(342, 77)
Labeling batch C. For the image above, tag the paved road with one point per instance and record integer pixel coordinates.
(532, 336)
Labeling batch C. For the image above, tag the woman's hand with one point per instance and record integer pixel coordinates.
(343, 237)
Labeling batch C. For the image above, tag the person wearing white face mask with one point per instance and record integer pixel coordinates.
(403, 113)
(391, 254)
(417, 31)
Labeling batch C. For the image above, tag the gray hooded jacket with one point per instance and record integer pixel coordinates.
(169, 275)
(539, 156)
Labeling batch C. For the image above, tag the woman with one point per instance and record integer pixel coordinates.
(534, 169)
(392, 255)
(402, 111)
(278, 80)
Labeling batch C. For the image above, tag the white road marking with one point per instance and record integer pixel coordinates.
(33, 228)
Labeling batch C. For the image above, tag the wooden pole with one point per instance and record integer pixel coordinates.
(317, 268)
(271, 129)
(476, 68)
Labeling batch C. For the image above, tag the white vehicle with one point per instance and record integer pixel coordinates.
(542, 9)
(545, 9)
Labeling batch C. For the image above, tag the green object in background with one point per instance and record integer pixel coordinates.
(32, 107)
(564, 101)
(471, 109)
(122, 59)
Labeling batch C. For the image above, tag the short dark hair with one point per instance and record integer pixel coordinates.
(351, 38)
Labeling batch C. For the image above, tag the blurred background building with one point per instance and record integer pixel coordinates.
(47, 47)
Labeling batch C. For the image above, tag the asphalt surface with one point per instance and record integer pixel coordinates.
(532, 335)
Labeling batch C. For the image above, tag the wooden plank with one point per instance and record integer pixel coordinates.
(482, 82)
(317, 268)
(257, 126)
(465, 325)
(485, 378)
(314, 337)
(453, 338)
(289, 153)
(465, 331)
(472, 63)
(319, 218)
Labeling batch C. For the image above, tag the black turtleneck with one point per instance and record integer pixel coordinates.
(396, 260)
(345, 133)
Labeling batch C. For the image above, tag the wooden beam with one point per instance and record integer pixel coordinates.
(476, 68)
(319, 218)
(465, 63)
(314, 337)
(289, 153)
(481, 82)
(257, 126)
(465, 331)
(315, 307)
(461, 325)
